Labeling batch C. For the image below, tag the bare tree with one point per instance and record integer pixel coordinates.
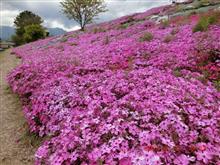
(83, 11)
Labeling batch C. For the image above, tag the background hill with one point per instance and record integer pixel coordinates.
(56, 31)
(7, 31)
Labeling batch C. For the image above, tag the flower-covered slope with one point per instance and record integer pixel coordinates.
(124, 92)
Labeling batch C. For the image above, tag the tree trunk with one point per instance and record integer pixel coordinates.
(83, 28)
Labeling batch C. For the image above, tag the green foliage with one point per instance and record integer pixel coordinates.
(27, 18)
(98, 30)
(64, 39)
(34, 32)
(24, 23)
(73, 44)
(83, 11)
(168, 38)
(74, 36)
(203, 79)
(174, 31)
(147, 37)
(100, 162)
(213, 19)
(18, 40)
(203, 3)
(18, 37)
(164, 24)
(177, 72)
(217, 84)
(129, 22)
(124, 26)
(204, 23)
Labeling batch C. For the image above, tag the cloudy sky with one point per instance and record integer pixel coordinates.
(50, 11)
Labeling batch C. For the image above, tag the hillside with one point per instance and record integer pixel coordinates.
(6, 32)
(142, 89)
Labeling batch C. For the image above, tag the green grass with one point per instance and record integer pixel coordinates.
(217, 84)
(204, 23)
(168, 38)
(177, 72)
(147, 37)
(98, 30)
(164, 24)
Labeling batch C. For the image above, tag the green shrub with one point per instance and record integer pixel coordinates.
(164, 24)
(124, 26)
(217, 84)
(18, 40)
(147, 37)
(168, 38)
(203, 3)
(34, 32)
(25, 23)
(213, 19)
(204, 23)
(98, 30)
(177, 72)
(73, 44)
(174, 31)
(203, 79)
(64, 39)
(129, 22)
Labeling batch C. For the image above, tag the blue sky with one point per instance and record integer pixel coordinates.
(50, 11)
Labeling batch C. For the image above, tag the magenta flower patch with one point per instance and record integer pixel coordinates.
(124, 102)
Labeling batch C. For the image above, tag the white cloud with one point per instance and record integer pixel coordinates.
(54, 23)
(7, 17)
(50, 11)
(119, 8)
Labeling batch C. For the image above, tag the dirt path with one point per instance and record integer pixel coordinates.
(17, 145)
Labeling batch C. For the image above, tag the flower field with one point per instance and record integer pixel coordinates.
(126, 92)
